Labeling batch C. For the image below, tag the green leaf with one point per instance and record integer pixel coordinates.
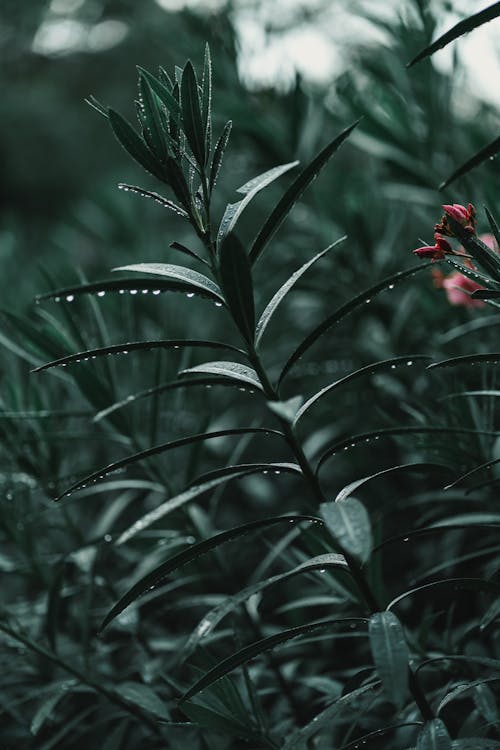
(349, 525)
(165, 202)
(206, 98)
(368, 437)
(247, 653)
(487, 152)
(197, 281)
(471, 273)
(96, 104)
(162, 92)
(390, 654)
(453, 584)
(237, 285)
(178, 183)
(365, 739)
(193, 552)
(134, 346)
(371, 369)
(250, 189)
(133, 144)
(485, 702)
(131, 286)
(271, 307)
(463, 27)
(210, 621)
(475, 743)
(482, 254)
(287, 202)
(44, 710)
(403, 468)
(219, 150)
(153, 120)
(191, 114)
(341, 312)
(144, 697)
(494, 227)
(434, 736)
(157, 449)
(240, 374)
(467, 359)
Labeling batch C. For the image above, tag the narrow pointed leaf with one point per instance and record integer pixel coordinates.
(463, 27)
(471, 273)
(467, 359)
(154, 121)
(292, 195)
(206, 98)
(193, 552)
(157, 449)
(165, 202)
(487, 152)
(494, 226)
(250, 190)
(196, 280)
(390, 654)
(237, 285)
(451, 584)
(265, 468)
(178, 183)
(96, 104)
(162, 92)
(434, 736)
(271, 307)
(233, 370)
(144, 697)
(341, 312)
(247, 653)
(133, 286)
(134, 346)
(349, 525)
(365, 739)
(191, 113)
(133, 144)
(372, 369)
(219, 150)
(218, 613)
(44, 710)
(403, 468)
(183, 249)
(482, 254)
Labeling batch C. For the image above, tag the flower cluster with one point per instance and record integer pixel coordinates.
(466, 217)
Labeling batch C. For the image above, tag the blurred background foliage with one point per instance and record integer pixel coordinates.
(63, 219)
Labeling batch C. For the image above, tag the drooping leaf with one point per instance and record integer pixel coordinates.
(237, 373)
(135, 346)
(265, 468)
(365, 739)
(403, 468)
(250, 189)
(183, 249)
(463, 27)
(219, 150)
(487, 152)
(247, 653)
(434, 736)
(292, 195)
(368, 437)
(452, 584)
(271, 307)
(191, 114)
(129, 286)
(144, 697)
(467, 359)
(191, 553)
(133, 144)
(157, 449)
(197, 281)
(237, 285)
(363, 298)
(349, 524)
(391, 655)
(165, 202)
(371, 369)
(218, 613)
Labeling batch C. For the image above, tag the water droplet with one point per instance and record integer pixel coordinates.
(190, 539)
(409, 363)
(367, 301)
(190, 294)
(156, 291)
(393, 367)
(101, 293)
(133, 291)
(108, 538)
(57, 299)
(70, 297)
(391, 286)
(122, 291)
(218, 304)
(406, 539)
(322, 570)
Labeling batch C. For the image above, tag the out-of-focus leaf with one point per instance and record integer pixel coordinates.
(270, 309)
(288, 200)
(488, 152)
(461, 28)
(391, 655)
(259, 647)
(144, 697)
(237, 285)
(434, 736)
(349, 524)
(49, 702)
(286, 410)
(196, 280)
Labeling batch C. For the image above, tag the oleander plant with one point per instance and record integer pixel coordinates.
(250, 490)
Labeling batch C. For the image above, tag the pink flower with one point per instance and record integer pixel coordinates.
(466, 217)
(437, 251)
